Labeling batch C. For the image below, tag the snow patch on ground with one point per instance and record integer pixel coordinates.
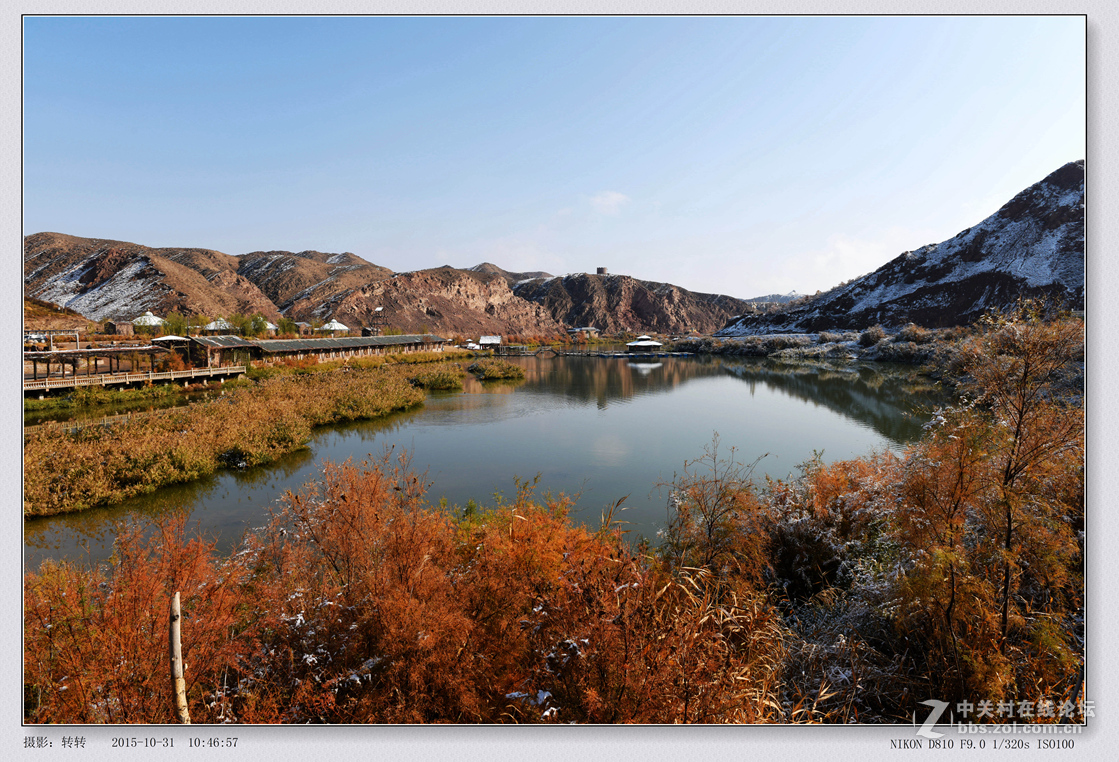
(124, 294)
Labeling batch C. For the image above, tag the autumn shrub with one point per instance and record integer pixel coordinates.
(263, 372)
(871, 336)
(915, 334)
(993, 499)
(706, 345)
(412, 358)
(902, 352)
(83, 397)
(173, 361)
(776, 343)
(715, 520)
(514, 614)
(361, 603)
(490, 369)
(95, 642)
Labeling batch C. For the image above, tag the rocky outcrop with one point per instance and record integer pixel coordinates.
(617, 303)
(1032, 246)
(510, 277)
(312, 276)
(445, 300)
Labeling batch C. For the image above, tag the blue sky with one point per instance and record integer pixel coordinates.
(737, 155)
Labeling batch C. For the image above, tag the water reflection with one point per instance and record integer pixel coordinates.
(894, 400)
(603, 428)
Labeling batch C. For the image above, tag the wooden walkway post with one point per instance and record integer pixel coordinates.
(178, 684)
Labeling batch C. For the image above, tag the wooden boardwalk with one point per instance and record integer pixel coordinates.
(109, 379)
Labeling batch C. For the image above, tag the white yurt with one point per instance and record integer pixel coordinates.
(149, 320)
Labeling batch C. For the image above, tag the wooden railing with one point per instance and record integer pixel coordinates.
(69, 427)
(104, 379)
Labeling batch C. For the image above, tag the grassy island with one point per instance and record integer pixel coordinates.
(253, 423)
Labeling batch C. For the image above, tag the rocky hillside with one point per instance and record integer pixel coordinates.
(1032, 246)
(43, 316)
(309, 276)
(104, 279)
(614, 303)
(443, 300)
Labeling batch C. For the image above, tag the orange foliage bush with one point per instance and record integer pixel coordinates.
(95, 648)
(360, 603)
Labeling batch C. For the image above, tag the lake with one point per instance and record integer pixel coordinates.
(599, 428)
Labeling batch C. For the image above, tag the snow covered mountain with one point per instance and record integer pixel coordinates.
(774, 298)
(1032, 246)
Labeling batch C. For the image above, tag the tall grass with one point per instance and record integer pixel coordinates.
(491, 369)
(94, 396)
(100, 465)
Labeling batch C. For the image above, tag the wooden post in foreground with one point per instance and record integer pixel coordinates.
(178, 684)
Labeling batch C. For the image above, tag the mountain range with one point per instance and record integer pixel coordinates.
(106, 279)
(1033, 245)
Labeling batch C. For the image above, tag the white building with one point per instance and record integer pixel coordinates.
(148, 320)
(643, 344)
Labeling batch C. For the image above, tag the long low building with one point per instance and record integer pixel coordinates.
(219, 350)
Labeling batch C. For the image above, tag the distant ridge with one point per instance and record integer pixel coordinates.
(511, 277)
(1032, 246)
(617, 303)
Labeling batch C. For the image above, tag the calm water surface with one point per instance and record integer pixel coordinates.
(602, 428)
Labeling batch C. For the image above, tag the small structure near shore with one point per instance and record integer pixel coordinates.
(643, 344)
(589, 332)
(219, 326)
(148, 322)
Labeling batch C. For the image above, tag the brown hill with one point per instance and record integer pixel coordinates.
(616, 303)
(443, 300)
(314, 276)
(105, 279)
(46, 316)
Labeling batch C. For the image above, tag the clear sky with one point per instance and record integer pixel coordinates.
(737, 155)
